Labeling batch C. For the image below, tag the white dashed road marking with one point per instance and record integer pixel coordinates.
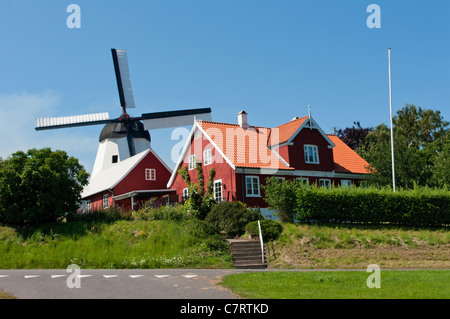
(110, 276)
(58, 276)
(31, 276)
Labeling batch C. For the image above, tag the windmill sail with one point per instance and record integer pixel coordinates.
(123, 78)
(168, 119)
(48, 123)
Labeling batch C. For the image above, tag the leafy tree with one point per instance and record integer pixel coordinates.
(441, 163)
(418, 139)
(199, 203)
(354, 136)
(232, 217)
(280, 196)
(39, 186)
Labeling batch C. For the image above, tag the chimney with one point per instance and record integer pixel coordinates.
(242, 120)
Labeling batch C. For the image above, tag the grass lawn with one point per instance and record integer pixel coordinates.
(117, 245)
(395, 284)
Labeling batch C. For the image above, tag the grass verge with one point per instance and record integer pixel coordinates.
(357, 246)
(395, 284)
(115, 245)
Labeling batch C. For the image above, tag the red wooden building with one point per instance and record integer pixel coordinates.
(128, 183)
(243, 156)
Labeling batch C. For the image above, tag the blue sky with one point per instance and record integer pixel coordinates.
(269, 58)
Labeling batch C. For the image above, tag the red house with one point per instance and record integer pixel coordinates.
(243, 156)
(128, 183)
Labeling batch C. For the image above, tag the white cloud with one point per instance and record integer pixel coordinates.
(18, 113)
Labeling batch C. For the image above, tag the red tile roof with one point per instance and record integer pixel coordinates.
(347, 160)
(244, 147)
(286, 130)
(248, 147)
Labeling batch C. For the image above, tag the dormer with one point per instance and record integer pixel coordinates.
(303, 145)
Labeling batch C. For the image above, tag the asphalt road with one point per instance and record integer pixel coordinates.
(116, 284)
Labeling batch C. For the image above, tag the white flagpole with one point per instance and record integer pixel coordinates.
(392, 128)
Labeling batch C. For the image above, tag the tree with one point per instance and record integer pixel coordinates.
(418, 136)
(353, 136)
(280, 196)
(39, 186)
(199, 203)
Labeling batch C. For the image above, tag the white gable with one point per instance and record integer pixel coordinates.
(110, 177)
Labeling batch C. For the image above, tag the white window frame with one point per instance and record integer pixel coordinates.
(346, 183)
(150, 174)
(303, 181)
(105, 201)
(207, 156)
(252, 184)
(218, 197)
(165, 199)
(191, 162)
(324, 181)
(315, 153)
(88, 206)
(185, 193)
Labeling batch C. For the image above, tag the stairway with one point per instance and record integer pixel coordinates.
(247, 254)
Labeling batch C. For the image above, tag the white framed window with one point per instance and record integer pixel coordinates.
(252, 186)
(207, 156)
(218, 190)
(303, 180)
(165, 200)
(150, 174)
(88, 206)
(311, 154)
(346, 183)
(325, 183)
(191, 161)
(105, 201)
(185, 193)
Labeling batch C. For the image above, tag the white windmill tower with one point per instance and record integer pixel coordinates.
(126, 136)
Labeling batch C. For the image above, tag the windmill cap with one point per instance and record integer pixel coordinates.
(119, 130)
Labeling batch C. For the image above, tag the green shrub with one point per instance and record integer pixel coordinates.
(111, 214)
(418, 207)
(232, 217)
(167, 212)
(271, 229)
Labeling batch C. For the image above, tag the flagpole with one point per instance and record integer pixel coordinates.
(392, 128)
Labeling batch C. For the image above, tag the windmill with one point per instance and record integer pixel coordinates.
(125, 136)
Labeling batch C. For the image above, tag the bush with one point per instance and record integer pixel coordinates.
(418, 207)
(108, 215)
(232, 217)
(271, 229)
(167, 212)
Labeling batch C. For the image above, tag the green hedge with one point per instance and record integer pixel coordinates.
(271, 229)
(418, 207)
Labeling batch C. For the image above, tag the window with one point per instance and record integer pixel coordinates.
(311, 154)
(88, 206)
(218, 190)
(150, 174)
(105, 201)
(207, 156)
(346, 183)
(325, 183)
(279, 179)
(165, 200)
(115, 158)
(191, 162)
(303, 180)
(252, 186)
(185, 194)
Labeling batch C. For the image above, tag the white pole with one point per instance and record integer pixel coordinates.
(261, 241)
(392, 128)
